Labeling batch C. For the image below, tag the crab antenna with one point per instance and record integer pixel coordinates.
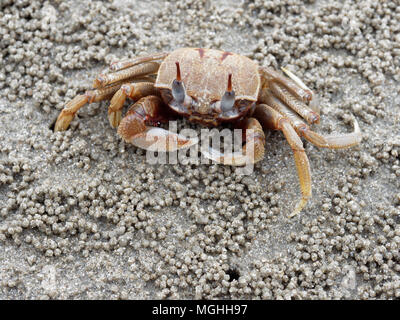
(178, 71)
(229, 82)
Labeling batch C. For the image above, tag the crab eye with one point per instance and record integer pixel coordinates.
(228, 99)
(178, 90)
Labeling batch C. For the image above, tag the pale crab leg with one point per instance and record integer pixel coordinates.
(134, 91)
(272, 119)
(136, 127)
(296, 79)
(335, 141)
(137, 70)
(271, 75)
(123, 64)
(314, 103)
(68, 113)
(251, 152)
(285, 96)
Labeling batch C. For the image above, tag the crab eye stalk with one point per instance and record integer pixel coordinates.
(228, 99)
(178, 90)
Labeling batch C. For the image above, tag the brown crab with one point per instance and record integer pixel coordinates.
(210, 87)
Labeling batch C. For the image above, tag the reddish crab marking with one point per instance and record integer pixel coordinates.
(201, 52)
(224, 55)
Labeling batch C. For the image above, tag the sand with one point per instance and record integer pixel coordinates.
(83, 216)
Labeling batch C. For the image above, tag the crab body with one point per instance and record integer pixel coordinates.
(205, 73)
(210, 87)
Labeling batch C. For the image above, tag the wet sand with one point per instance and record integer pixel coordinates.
(83, 216)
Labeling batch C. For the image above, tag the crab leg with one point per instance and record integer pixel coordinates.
(335, 141)
(68, 113)
(272, 119)
(296, 79)
(252, 151)
(273, 76)
(137, 70)
(285, 96)
(123, 64)
(134, 91)
(136, 127)
(314, 103)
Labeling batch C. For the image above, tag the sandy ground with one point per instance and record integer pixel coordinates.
(82, 216)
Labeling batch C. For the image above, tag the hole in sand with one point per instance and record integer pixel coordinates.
(233, 274)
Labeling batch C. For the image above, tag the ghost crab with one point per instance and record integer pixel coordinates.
(210, 87)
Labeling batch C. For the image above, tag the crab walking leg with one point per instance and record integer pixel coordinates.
(314, 103)
(134, 91)
(123, 64)
(68, 113)
(335, 141)
(285, 96)
(136, 127)
(252, 151)
(137, 70)
(296, 79)
(272, 119)
(273, 76)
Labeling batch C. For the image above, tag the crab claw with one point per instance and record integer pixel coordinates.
(158, 139)
(231, 158)
(251, 152)
(137, 127)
